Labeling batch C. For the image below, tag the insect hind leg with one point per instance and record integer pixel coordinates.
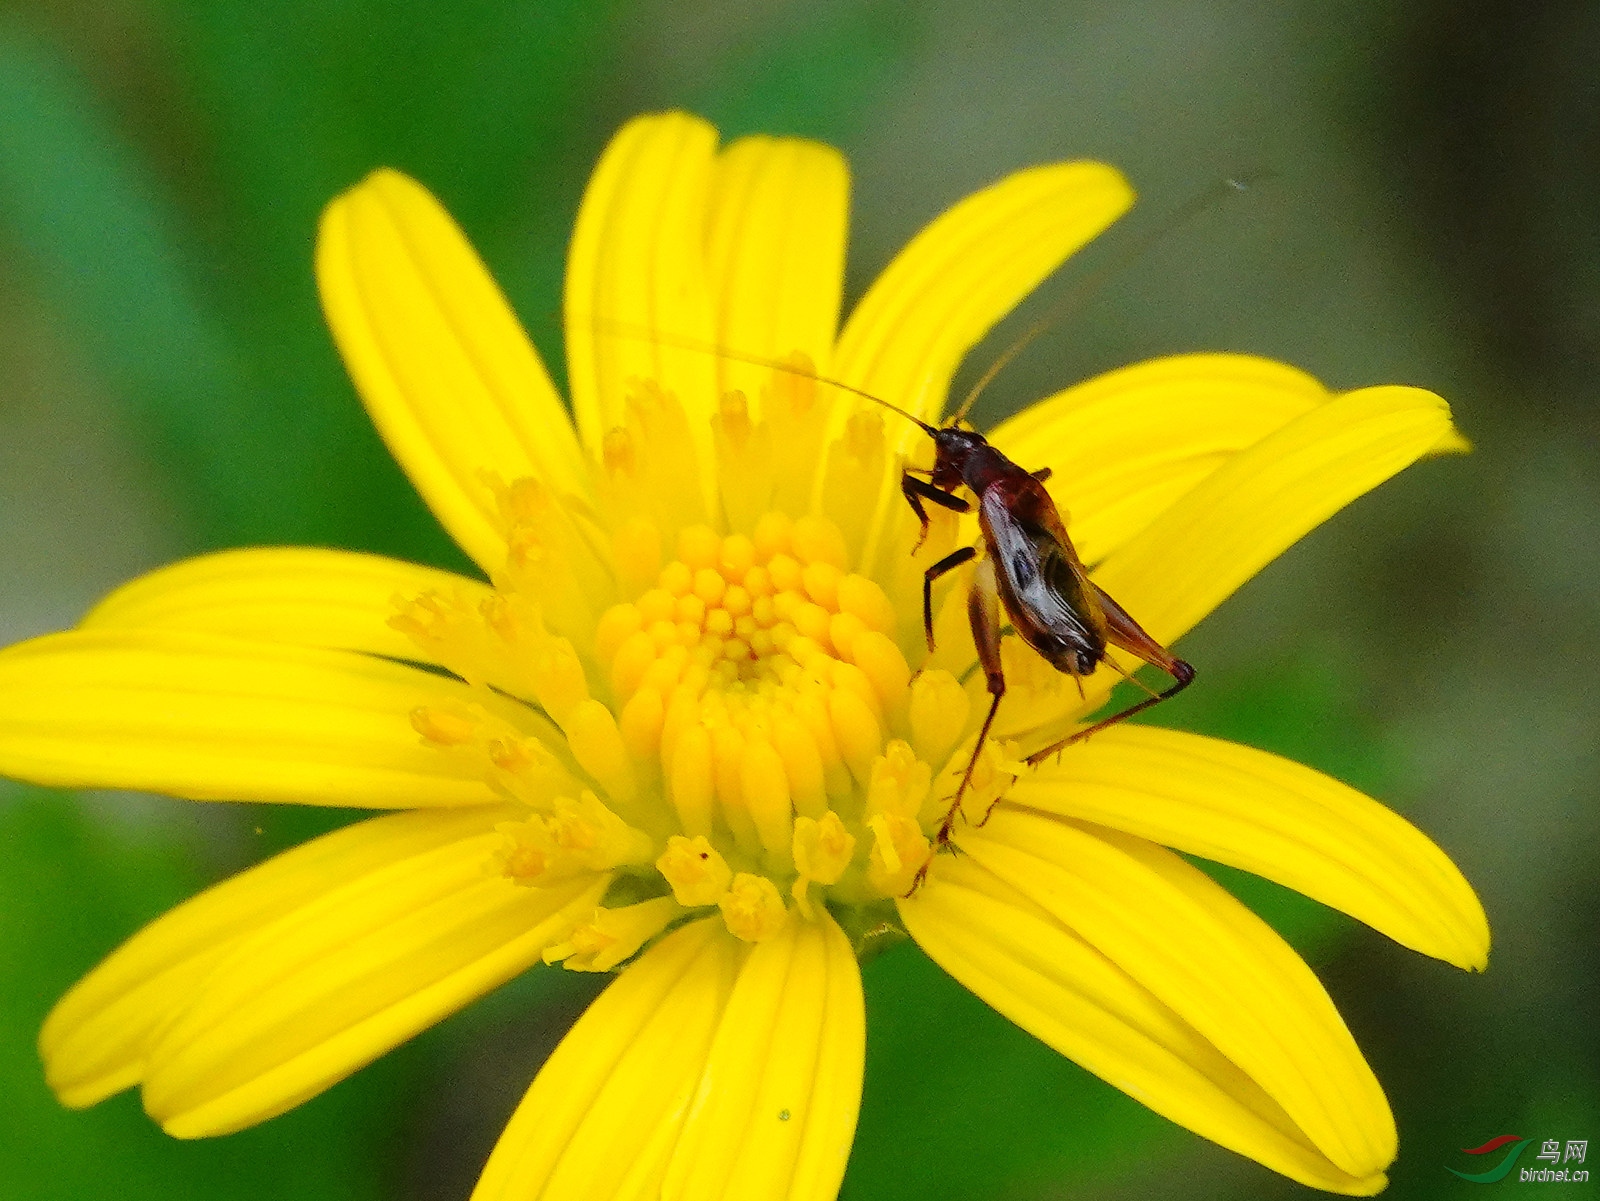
(983, 611)
(1182, 676)
(1123, 631)
(997, 690)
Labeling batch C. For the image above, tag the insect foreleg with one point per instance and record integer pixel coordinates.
(916, 491)
(949, 563)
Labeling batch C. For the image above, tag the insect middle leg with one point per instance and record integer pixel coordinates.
(947, 564)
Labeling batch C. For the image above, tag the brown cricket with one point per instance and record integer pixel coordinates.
(1030, 568)
(1032, 571)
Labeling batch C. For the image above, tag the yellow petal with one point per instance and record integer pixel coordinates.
(215, 718)
(946, 290)
(963, 273)
(636, 270)
(305, 1000)
(776, 1110)
(1043, 976)
(1125, 445)
(446, 371)
(603, 1116)
(327, 598)
(1244, 514)
(1275, 818)
(95, 1040)
(775, 252)
(1240, 517)
(1212, 961)
(710, 1069)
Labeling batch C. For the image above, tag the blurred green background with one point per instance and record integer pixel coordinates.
(1429, 214)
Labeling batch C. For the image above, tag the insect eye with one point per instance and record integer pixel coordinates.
(1087, 662)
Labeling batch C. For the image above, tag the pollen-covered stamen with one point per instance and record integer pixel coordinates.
(514, 761)
(650, 465)
(744, 451)
(550, 554)
(450, 628)
(822, 853)
(852, 484)
(613, 935)
(753, 908)
(695, 870)
(899, 782)
(899, 850)
(577, 836)
(794, 407)
(896, 795)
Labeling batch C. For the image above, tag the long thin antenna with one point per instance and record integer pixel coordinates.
(684, 342)
(1127, 675)
(1092, 283)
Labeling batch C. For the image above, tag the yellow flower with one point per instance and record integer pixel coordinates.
(689, 725)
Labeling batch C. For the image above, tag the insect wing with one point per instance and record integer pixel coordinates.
(1041, 584)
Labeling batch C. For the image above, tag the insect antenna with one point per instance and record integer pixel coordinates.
(1092, 283)
(1127, 675)
(623, 329)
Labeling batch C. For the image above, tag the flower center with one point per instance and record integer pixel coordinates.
(761, 745)
(760, 676)
(741, 731)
